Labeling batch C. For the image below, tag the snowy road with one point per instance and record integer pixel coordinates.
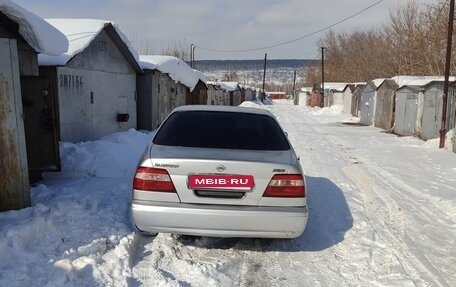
(382, 213)
(400, 196)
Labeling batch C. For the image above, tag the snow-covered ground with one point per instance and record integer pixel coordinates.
(382, 213)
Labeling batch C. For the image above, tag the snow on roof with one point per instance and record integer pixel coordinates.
(147, 63)
(41, 36)
(306, 89)
(229, 86)
(246, 87)
(423, 81)
(410, 80)
(360, 86)
(405, 80)
(336, 86)
(249, 88)
(379, 81)
(350, 87)
(177, 69)
(201, 75)
(80, 33)
(226, 86)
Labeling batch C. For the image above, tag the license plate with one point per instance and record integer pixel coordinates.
(222, 182)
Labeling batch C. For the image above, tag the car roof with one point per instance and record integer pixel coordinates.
(217, 108)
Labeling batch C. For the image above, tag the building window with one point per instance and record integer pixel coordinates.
(159, 88)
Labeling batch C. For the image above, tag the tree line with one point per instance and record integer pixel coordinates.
(412, 42)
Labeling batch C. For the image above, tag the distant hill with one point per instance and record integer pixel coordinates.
(251, 71)
(210, 65)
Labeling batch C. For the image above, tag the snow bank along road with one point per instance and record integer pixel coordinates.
(382, 213)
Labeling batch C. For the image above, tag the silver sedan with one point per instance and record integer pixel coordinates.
(220, 171)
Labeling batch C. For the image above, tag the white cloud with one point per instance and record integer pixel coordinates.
(227, 25)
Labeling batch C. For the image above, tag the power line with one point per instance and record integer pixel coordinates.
(297, 39)
(316, 58)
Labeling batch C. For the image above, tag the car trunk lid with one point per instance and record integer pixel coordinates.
(182, 163)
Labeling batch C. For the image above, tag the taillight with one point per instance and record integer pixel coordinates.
(153, 179)
(286, 185)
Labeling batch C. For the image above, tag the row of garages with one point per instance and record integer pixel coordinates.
(406, 105)
(77, 80)
(104, 86)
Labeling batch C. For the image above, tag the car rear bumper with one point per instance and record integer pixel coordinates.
(219, 221)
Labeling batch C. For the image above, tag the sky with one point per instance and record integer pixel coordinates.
(224, 25)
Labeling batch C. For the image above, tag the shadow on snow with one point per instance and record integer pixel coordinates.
(329, 220)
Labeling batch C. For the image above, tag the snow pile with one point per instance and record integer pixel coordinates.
(450, 141)
(177, 69)
(77, 232)
(41, 36)
(104, 158)
(332, 110)
(251, 104)
(80, 33)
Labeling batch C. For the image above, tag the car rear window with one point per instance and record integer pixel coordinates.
(226, 130)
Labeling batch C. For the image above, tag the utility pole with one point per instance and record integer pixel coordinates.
(447, 75)
(322, 103)
(294, 85)
(264, 74)
(191, 55)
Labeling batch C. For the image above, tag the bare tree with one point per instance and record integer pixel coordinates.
(231, 76)
(179, 49)
(435, 22)
(404, 35)
(359, 56)
(412, 42)
(141, 45)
